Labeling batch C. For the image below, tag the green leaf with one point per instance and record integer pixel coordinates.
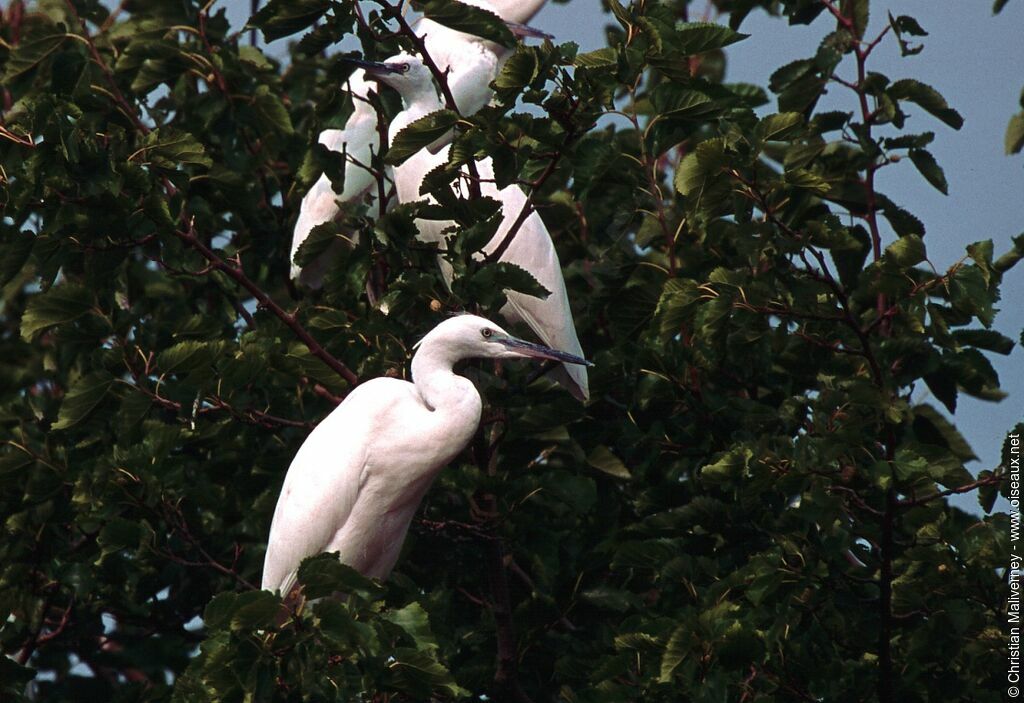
(83, 396)
(928, 98)
(470, 20)
(675, 652)
(37, 43)
(323, 575)
(119, 534)
(271, 111)
(419, 674)
(187, 356)
(728, 466)
(505, 276)
(279, 18)
(700, 166)
(219, 610)
(420, 134)
(781, 126)
(985, 339)
(601, 58)
(168, 147)
(906, 251)
(65, 302)
(415, 621)
(699, 37)
(859, 12)
(1013, 142)
(602, 459)
(15, 249)
(946, 431)
(519, 70)
(930, 169)
(255, 609)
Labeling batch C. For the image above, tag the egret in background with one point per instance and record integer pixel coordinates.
(471, 62)
(531, 247)
(357, 480)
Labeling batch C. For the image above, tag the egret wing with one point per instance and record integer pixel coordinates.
(319, 493)
(359, 140)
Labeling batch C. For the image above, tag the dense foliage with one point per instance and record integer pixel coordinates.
(753, 506)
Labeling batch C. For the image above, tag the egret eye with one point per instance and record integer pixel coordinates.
(487, 332)
(403, 67)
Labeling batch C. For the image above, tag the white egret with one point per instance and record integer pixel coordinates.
(357, 480)
(531, 247)
(471, 62)
(359, 140)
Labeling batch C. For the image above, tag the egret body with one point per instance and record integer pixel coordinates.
(357, 480)
(531, 247)
(472, 63)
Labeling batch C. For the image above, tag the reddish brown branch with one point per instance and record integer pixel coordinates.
(264, 300)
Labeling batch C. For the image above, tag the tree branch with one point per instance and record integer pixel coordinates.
(236, 274)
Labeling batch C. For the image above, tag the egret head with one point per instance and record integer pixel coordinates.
(405, 73)
(469, 336)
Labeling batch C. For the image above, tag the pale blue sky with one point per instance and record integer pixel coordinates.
(976, 60)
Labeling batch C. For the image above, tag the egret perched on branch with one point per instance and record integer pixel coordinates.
(529, 247)
(357, 480)
(471, 64)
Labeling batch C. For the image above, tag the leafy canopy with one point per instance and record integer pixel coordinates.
(753, 506)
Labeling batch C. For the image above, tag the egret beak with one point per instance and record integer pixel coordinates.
(374, 69)
(523, 30)
(539, 351)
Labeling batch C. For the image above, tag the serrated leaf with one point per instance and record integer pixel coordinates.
(930, 169)
(519, 70)
(14, 253)
(601, 58)
(700, 37)
(187, 356)
(414, 620)
(906, 251)
(782, 126)
(419, 674)
(279, 18)
(61, 304)
(35, 46)
(675, 652)
(83, 396)
(420, 134)
(602, 459)
(324, 574)
(507, 276)
(119, 534)
(699, 166)
(1013, 142)
(468, 19)
(271, 111)
(254, 609)
(948, 432)
(928, 98)
(168, 147)
(989, 340)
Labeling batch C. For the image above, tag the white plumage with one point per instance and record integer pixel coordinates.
(531, 247)
(357, 480)
(471, 62)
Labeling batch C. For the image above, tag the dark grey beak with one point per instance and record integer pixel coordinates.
(523, 30)
(375, 68)
(539, 351)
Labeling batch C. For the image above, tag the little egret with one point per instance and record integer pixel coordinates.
(531, 247)
(471, 62)
(357, 480)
